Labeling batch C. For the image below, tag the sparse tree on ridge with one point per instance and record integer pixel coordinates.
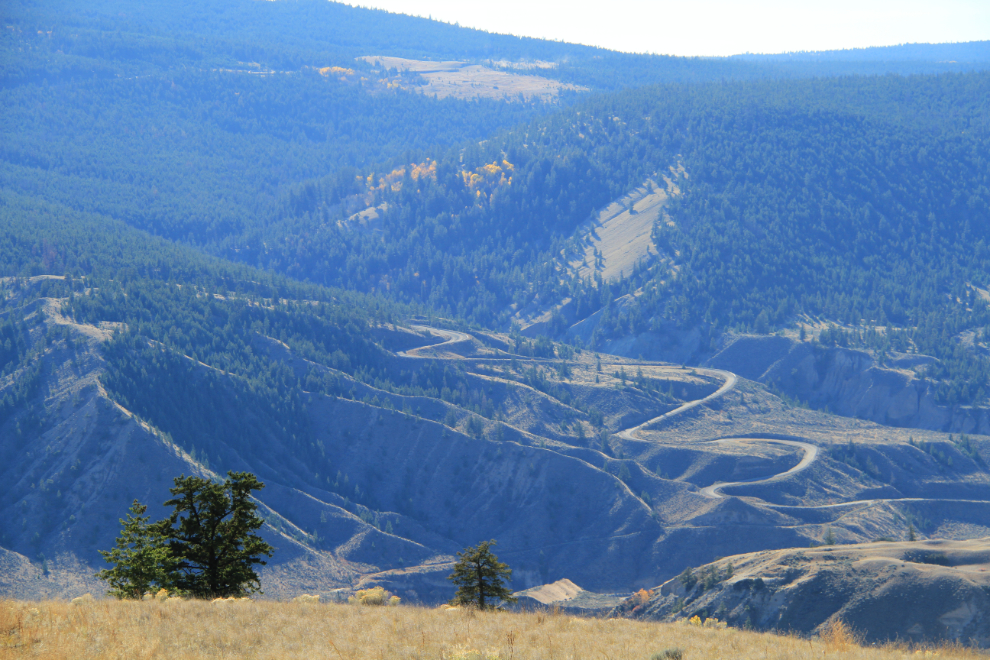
(480, 578)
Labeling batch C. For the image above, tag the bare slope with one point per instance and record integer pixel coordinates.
(923, 591)
(621, 234)
(617, 240)
(850, 382)
(564, 595)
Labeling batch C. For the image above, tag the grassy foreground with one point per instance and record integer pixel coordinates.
(200, 629)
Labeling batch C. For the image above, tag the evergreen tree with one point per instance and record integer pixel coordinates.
(829, 536)
(211, 531)
(480, 578)
(141, 558)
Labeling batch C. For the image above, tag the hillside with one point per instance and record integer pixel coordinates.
(846, 211)
(932, 590)
(297, 385)
(192, 119)
(387, 446)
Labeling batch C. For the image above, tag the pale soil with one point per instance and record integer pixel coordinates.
(622, 238)
(465, 81)
(564, 594)
(614, 241)
(970, 557)
(535, 64)
(622, 232)
(555, 592)
(199, 629)
(367, 220)
(982, 293)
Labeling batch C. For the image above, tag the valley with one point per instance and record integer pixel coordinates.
(633, 317)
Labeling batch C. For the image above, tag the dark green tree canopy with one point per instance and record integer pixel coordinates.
(141, 558)
(480, 578)
(212, 532)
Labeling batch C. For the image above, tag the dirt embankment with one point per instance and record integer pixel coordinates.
(565, 596)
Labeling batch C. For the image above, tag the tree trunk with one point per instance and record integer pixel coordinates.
(481, 588)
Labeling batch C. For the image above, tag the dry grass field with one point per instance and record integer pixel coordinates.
(265, 629)
(467, 81)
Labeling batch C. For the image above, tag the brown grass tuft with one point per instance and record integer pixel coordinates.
(184, 630)
(837, 636)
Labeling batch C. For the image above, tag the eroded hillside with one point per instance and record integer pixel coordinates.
(611, 472)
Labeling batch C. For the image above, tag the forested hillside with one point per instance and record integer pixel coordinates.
(78, 38)
(126, 357)
(956, 53)
(190, 119)
(174, 308)
(858, 200)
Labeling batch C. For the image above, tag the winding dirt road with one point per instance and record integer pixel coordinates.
(730, 381)
(713, 491)
(452, 337)
(810, 454)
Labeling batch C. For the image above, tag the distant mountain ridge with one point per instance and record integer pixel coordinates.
(963, 52)
(321, 33)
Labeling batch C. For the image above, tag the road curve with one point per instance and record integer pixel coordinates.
(452, 337)
(810, 454)
(455, 336)
(730, 381)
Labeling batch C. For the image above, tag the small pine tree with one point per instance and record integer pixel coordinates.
(141, 559)
(911, 534)
(688, 578)
(829, 536)
(480, 578)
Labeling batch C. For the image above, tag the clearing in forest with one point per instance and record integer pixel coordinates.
(465, 81)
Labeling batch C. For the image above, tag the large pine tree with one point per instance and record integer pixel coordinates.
(212, 532)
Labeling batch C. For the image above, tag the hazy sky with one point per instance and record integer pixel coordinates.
(715, 27)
